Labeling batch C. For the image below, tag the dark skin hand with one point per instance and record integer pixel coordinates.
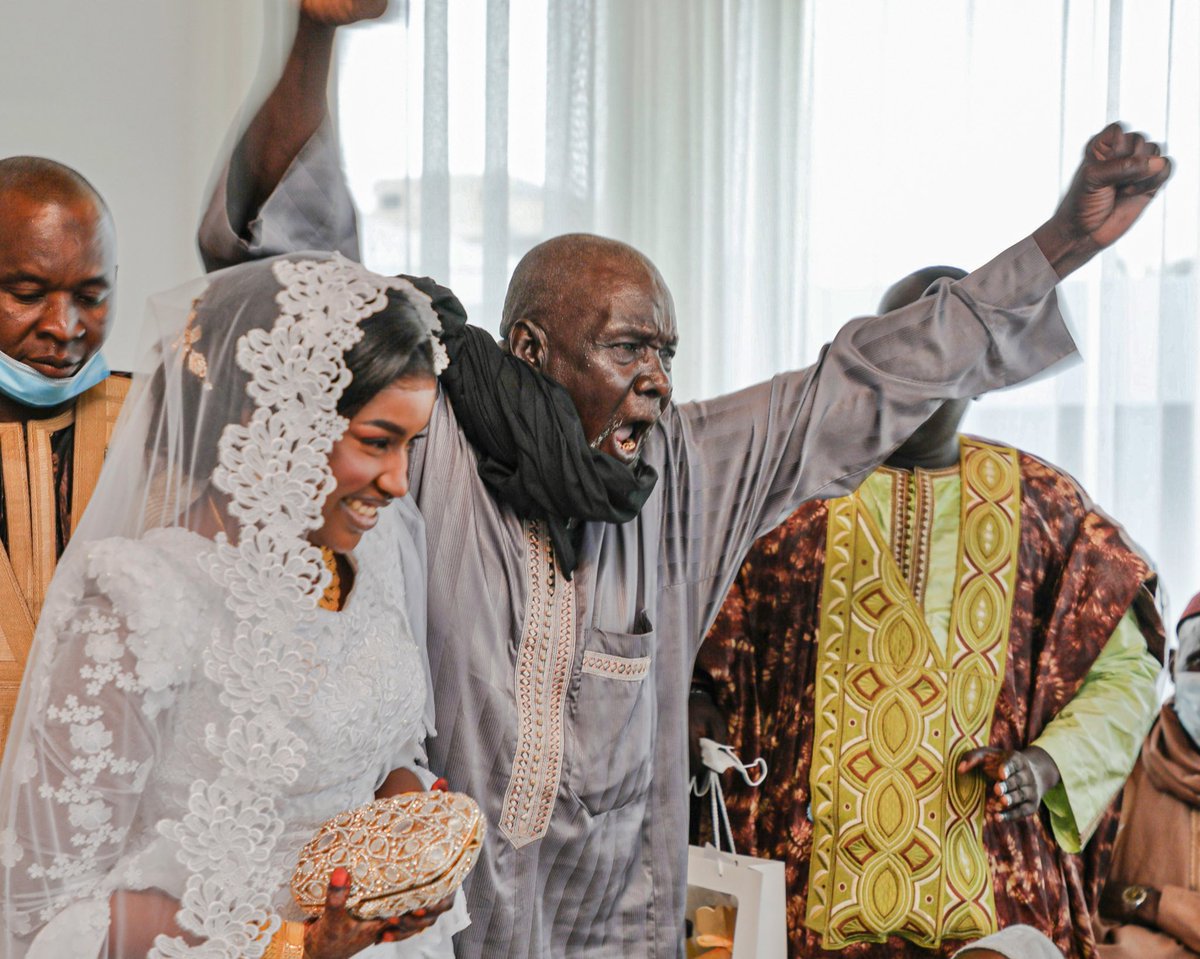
(1113, 906)
(1019, 779)
(336, 934)
(705, 721)
(296, 107)
(1118, 177)
(141, 915)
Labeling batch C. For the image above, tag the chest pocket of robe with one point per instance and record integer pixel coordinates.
(610, 744)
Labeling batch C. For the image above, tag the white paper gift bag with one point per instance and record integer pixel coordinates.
(735, 903)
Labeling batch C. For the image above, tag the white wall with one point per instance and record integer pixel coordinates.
(139, 96)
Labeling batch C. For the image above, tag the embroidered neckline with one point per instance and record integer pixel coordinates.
(889, 706)
(331, 597)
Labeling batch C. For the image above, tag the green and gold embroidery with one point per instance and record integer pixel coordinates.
(897, 836)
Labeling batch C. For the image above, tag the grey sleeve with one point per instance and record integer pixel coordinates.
(414, 562)
(310, 209)
(738, 465)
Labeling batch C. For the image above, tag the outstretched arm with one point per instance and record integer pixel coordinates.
(743, 462)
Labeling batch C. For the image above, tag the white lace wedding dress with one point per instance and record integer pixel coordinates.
(130, 713)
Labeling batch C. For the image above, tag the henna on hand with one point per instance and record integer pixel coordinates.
(336, 934)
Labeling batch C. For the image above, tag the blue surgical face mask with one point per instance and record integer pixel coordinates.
(26, 385)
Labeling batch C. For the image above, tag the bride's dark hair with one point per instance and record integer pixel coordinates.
(394, 346)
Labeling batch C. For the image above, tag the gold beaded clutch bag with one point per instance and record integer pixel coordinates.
(403, 853)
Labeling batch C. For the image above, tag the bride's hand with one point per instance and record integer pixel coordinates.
(338, 13)
(337, 935)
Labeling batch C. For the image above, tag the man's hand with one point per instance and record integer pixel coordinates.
(339, 13)
(1020, 779)
(1119, 907)
(705, 721)
(1117, 179)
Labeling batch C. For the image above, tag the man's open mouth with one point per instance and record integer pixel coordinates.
(628, 437)
(624, 440)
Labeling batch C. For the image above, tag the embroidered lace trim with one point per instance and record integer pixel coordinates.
(632, 670)
(543, 676)
(275, 470)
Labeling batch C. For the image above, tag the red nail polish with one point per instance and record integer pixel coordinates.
(339, 878)
(419, 913)
(440, 785)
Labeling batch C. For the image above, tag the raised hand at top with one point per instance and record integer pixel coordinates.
(339, 13)
(1118, 177)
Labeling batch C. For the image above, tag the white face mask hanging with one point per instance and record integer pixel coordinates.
(717, 759)
(735, 902)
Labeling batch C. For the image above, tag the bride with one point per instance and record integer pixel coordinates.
(232, 649)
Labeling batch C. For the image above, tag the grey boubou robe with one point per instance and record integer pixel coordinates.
(561, 706)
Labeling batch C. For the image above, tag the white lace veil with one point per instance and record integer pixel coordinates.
(229, 428)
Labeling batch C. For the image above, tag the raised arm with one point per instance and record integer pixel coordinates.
(245, 218)
(743, 462)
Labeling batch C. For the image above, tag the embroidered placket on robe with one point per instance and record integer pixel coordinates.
(48, 471)
(897, 837)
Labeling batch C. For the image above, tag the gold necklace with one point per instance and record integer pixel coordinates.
(332, 597)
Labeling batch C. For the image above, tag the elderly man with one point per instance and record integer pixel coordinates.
(965, 615)
(582, 528)
(57, 403)
(1150, 908)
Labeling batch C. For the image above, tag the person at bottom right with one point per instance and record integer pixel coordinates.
(1150, 907)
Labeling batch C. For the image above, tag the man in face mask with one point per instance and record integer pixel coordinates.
(57, 402)
(1150, 908)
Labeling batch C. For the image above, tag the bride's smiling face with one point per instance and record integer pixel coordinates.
(370, 461)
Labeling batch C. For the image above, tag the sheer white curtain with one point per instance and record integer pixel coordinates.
(784, 161)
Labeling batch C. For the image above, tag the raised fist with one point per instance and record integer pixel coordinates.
(1118, 177)
(339, 13)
